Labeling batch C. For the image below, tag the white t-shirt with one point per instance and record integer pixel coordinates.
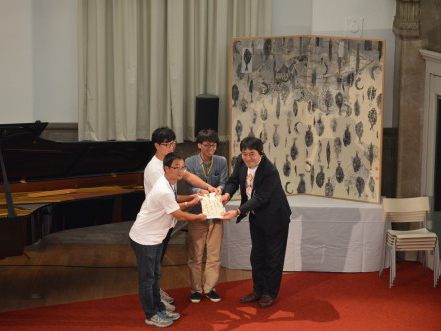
(153, 220)
(152, 172)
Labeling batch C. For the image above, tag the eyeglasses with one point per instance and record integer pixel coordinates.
(179, 168)
(169, 144)
(209, 145)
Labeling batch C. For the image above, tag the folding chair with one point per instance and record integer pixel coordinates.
(410, 210)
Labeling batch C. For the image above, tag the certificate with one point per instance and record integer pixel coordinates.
(212, 207)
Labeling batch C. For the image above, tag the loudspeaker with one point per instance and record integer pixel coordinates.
(207, 112)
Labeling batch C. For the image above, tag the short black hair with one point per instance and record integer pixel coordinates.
(162, 135)
(251, 143)
(170, 157)
(207, 135)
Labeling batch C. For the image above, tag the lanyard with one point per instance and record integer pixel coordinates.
(209, 169)
(174, 191)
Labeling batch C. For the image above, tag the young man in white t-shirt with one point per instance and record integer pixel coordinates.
(165, 142)
(158, 214)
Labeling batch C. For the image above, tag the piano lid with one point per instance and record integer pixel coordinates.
(28, 157)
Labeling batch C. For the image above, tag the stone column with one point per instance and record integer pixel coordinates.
(408, 97)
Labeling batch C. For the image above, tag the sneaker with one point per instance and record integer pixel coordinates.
(159, 320)
(213, 296)
(171, 315)
(165, 296)
(195, 297)
(168, 306)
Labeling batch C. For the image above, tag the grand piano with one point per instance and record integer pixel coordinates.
(48, 186)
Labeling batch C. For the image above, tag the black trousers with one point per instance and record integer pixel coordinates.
(267, 258)
(165, 243)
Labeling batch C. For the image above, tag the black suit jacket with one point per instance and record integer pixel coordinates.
(268, 200)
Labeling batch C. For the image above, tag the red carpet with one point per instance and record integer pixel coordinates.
(308, 301)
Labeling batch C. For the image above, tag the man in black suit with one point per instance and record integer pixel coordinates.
(263, 198)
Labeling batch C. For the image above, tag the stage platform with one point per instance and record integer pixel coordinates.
(324, 235)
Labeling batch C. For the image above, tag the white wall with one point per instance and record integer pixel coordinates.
(38, 61)
(55, 61)
(330, 15)
(16, 87)
(291, 17)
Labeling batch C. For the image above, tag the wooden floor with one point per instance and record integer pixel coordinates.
(63, 273)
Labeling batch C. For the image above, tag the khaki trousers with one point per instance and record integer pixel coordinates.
(203, 235)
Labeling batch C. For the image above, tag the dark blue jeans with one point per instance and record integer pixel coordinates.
(148, 258)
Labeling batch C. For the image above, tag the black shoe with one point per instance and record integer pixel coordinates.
(213, 296)
(195, 297)
(266, 301)
(251, 297)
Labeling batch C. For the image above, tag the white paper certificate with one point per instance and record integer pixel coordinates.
(212, 207)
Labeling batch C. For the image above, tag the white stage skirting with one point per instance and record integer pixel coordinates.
(324, 235)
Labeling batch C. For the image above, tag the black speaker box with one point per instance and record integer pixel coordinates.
(207, 112)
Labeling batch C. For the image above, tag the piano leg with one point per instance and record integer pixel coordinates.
(40, 226)
(47, 221)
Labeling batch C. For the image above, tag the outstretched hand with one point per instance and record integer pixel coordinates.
(229, 215)
(217, 190)
(225, 198)
(203, 192)
(194, 201)
(201, 217)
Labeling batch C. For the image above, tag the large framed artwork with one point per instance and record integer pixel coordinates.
(317, 104)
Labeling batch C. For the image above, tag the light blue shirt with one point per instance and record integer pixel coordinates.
(217, 177)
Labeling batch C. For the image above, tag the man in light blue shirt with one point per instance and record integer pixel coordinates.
(213, 170)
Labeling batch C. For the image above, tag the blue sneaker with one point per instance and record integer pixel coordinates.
(171, 315)
(159, 320)
(165, 296)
